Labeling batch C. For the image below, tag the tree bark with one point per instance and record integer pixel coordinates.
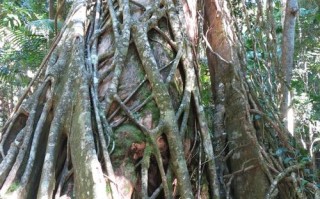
(291, 12)
(118, 112)
(227, 81)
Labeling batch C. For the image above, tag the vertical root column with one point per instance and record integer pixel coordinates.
(163, 100)
(21, 145)
(89, 180)
(33, 162)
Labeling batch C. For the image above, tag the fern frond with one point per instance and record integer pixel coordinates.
(41, 27)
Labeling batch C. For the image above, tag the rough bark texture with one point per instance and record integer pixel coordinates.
(291, 12)
(232, 100)
(118, 113)
(249, 167)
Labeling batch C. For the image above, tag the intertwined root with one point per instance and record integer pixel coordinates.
(58, 141)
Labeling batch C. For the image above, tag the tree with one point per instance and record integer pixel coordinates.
(23, 32)
(119, 74)
(247, 162)
(224, 65)
(115, 108)
(291, 12)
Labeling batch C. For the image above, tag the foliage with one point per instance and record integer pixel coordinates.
(261, 30)
(206, 94)
(24, 34)
(306, 74)
(21, 48)
(259, 27)
(13, 187)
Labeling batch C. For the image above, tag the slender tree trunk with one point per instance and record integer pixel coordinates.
(3, 111)
(60, 14)
(291, 12)
(51, 17)
(51, 9)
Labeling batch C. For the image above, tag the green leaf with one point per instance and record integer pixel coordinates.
(257, 117)
(280, 151)
(305, 159)
(287, 160)
(304, 182)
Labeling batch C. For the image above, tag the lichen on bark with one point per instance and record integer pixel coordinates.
(112, 114)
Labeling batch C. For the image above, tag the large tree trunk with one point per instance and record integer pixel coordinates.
(254, 165)
(232, 115)
(119, 78)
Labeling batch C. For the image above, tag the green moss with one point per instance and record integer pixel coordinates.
(108, 189)
(13, 187)
(129, 171)
(152, 108)
(131, 132)
(124, 136)
(148, 150)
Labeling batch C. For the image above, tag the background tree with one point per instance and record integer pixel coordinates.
(233, 98)
(246, 120)
(23, 45)
(287, 50)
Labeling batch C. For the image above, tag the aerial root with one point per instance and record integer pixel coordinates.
(53, 183)
(104, 145)
(144, 172)
(36, 140)
(160, 163)
(4, 136)
(47, 181)
(65, 175)
(156, 192)
(282, 135)
(279, 177)
(151, 137)
(9, 159)
(25, 143)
